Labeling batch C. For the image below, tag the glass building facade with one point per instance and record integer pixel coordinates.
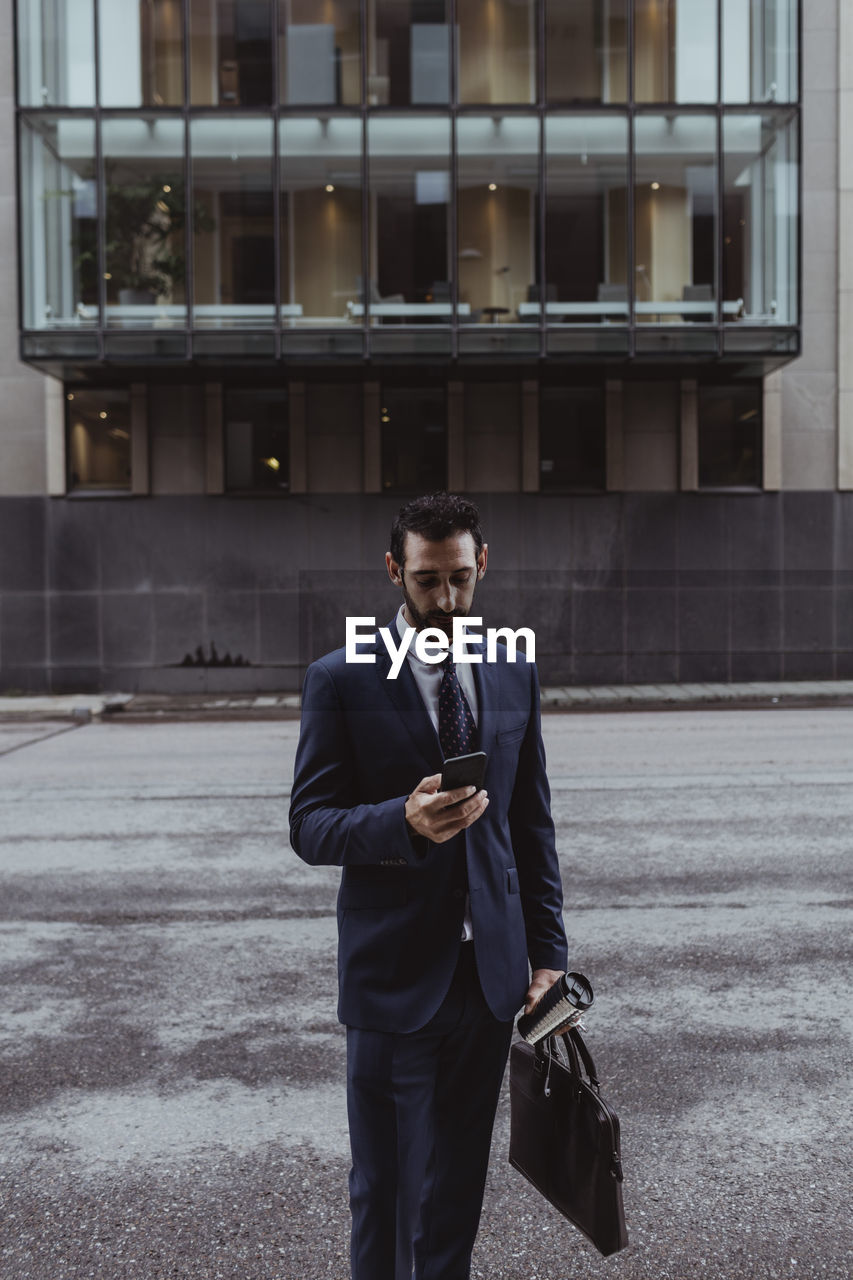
(341, 179)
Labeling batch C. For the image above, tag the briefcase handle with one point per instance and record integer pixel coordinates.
(576, 1054)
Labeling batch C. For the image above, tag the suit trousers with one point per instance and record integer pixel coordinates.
(421, 1109)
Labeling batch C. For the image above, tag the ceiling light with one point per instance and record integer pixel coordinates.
(162, 206)
(167, 188)
(102, 414)
(655, 186)
(108, 275)
(272, 463)
(70, 395)
(329, 187)
(493, 186)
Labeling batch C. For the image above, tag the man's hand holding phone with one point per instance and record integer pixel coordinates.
(438, 813)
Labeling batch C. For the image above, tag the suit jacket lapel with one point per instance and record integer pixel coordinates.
(409, 705)
(488, 689)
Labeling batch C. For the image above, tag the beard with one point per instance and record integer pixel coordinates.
(444, 621)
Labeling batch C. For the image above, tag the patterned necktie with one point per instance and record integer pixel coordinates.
(457, 731)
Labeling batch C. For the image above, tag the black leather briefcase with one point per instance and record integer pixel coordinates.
(565, 1139)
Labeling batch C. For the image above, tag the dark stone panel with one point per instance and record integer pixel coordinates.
(651, 531)
(705, 579)
(541, 601)
(179, 626)
(702, 532)
(807, 530)
(599, 668)
(74, 630)
(844, 665)
(749, 579)
(278, 626)
(651, 579)
(596, 533)
(808, 666)
(600, 578)
(844, 619)
(75, 543)
(328, 598)
(22, 544)
(755, 531)
(23, 630)
(73, 679)
(703, 668)
(651, 617)
(232, 623)
(703, 621)
(755, 666)
(555, 669)
(15, 680)
(756, 619)
(598, 622)
(546, 533)
(127, 629)
(812, 578)
(843, 531)
(264, 542)
(807, 619)
(651, 668)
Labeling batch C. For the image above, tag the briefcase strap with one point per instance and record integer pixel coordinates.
(577, 1055)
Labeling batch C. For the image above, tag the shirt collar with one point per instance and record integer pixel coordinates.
(402, 624)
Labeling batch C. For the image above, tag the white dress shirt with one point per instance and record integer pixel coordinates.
(428, 676)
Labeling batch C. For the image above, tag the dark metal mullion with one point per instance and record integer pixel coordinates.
(629, 200)
(454, 186)
(19, 238)
(720, 199)
(100, 192)
(541, 97)
(365, 199)
(189, 221)
(276, 182)
(799, 132)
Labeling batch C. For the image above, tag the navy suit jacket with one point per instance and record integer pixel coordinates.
(365, 743)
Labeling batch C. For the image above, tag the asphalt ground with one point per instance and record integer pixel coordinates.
(171, 1071)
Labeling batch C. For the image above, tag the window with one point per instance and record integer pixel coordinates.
(675, 218)
(59, 209)
(145, 199)
(586, 220)
(572, 439)
(497, 50)
(414, 439)
(231, 57)
(408, 52)
(98, 435)
(410, 187)
(141, 61)
(56, 53)
(321, 219)
(498, 159)
(586, 50)
(675, 50)
(760, 217)
(760, 45)
(730, 433)
(257, 440)
(234, 281)
(320, 52)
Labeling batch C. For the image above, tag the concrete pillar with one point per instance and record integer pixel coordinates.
(615, 436)
(689, 434)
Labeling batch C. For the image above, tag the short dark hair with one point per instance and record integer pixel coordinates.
(435, 516)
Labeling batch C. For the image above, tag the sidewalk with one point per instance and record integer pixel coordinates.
(139, 707)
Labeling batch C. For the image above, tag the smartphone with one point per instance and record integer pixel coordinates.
(464, 771)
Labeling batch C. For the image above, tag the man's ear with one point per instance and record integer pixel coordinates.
(481, 561)
(394, 572)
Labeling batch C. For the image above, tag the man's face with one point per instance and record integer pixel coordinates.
(438, 579)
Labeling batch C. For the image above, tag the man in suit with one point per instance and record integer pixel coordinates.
(448, 900)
